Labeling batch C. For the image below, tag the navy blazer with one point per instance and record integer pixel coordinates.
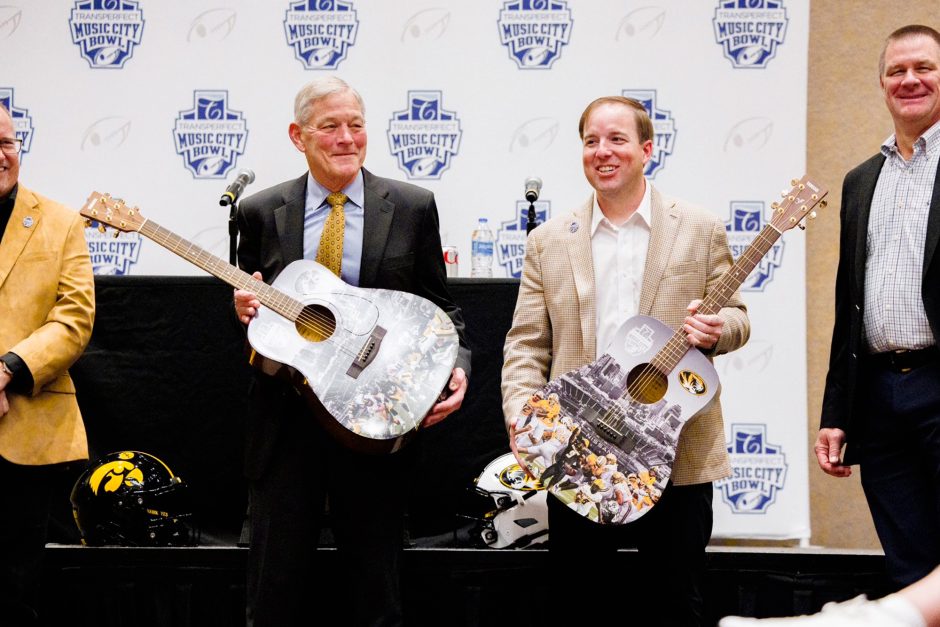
(848, 342)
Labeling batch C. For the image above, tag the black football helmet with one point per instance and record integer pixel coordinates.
(130, 498)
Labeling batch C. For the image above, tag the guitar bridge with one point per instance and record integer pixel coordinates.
(367, 353)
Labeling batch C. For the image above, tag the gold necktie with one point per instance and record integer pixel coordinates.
(330, 253)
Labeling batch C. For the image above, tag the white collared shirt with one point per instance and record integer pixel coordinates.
(619, 256)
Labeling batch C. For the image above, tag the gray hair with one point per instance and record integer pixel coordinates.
(318, 89)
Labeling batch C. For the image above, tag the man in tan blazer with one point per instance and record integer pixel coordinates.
(629, 250)
(47, 307)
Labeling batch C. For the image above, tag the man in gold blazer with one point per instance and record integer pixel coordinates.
(629, 250)
(47, 307)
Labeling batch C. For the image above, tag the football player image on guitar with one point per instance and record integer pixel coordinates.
(622, 305)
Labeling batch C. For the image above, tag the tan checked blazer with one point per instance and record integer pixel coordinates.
(47, 307)
(553, 329)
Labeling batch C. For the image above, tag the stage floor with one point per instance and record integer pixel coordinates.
(204, 586)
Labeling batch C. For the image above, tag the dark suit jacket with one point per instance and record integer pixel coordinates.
(848, 344)
(401, 251)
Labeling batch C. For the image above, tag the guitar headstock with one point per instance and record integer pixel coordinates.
(797, 204)
(111, 212)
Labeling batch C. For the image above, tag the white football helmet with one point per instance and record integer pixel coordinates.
(520, 516)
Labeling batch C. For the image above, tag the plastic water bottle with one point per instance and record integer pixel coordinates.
(481, 251)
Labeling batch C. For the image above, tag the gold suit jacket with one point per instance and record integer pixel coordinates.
(47, 308)
(554, 324)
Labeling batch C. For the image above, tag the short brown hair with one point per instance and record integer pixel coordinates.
(906, 32)
(644, 126)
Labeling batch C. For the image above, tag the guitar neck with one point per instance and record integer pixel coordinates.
(677, 346)
(267, 295)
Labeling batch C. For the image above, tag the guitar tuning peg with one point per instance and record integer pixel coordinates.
(784, 193)
(87, 222)
(812, 215)
(793, 182)
(115, 234)
(774, 205)
(823, 204)
(101, 228)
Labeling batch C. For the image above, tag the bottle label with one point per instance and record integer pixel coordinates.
(482, 248)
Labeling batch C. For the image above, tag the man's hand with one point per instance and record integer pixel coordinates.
(457, 387)
(4, 401)
(828, 449)
(702, 331)
(246, 303)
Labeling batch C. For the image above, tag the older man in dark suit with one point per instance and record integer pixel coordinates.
(385, 236)
(883, 388)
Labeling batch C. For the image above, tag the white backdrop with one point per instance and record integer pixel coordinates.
(162, 102)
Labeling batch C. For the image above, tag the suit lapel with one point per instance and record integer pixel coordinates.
(578, 245)
(378, 213)
(664, 227)
(289, 221)
(865, 194)
(933, 223)
(23, 223)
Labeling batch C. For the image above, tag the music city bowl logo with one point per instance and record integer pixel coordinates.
(746, 222)
(664, 129)
(510, 239)
(534, 31)
(22, 122)
(424, 136)
(111, 255)
(210, 137)
(758, 470)
(106, 31)
(749, 31)
(321, 32)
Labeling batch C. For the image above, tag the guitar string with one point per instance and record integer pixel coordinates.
(677, 346)
(281, 303)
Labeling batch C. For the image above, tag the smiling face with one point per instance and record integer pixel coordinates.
(613, 155)
(333, 138)
(9, 164)
(911, 83)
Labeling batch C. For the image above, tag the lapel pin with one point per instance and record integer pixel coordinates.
(573, 227)
(28, 221)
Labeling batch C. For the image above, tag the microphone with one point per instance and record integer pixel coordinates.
(236, 187)
(533, 185)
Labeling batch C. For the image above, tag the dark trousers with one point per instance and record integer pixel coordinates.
(665, 589)
(25, 497)
(366, 495)
(899, 461)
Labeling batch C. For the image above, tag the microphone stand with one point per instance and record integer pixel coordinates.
(232, 233)
(531, 220)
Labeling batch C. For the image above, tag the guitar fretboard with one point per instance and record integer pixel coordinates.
(677, 346)
(239, 279)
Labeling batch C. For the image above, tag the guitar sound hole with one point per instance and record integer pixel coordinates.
(646, 384)
(315, 323)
